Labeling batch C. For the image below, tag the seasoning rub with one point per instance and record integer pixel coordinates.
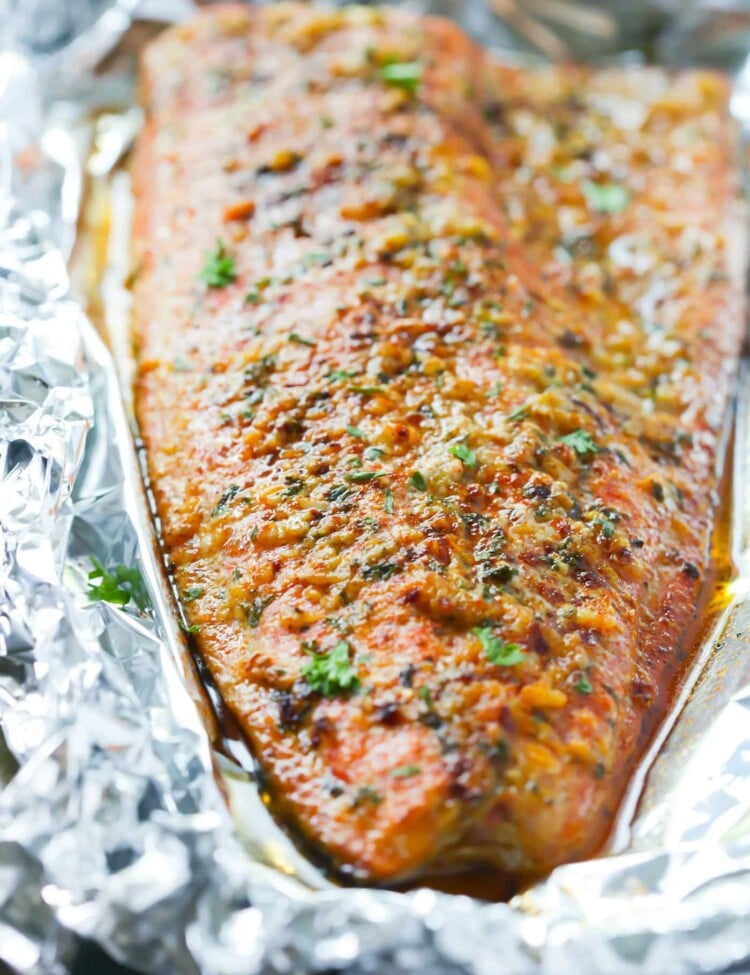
(433, 360)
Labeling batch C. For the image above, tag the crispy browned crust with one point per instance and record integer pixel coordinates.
(464, 391)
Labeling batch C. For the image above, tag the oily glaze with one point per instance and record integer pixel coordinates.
(434, 358)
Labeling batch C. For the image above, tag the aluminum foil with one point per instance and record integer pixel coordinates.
(119, 822)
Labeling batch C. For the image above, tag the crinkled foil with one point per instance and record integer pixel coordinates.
(118, 821)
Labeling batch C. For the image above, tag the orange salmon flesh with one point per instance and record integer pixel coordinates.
(434, 359)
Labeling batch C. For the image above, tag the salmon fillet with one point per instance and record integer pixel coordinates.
(434, 360)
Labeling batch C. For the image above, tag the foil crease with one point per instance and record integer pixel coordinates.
(116, 822)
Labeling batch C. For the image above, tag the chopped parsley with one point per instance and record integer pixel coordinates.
(117, 586)
(388, 503)
(467, 456)
(355, 431)
(361, 477)
(191, 593)
(335, 374)
(294, 486)
(406, 771)
(190, 629)
(583, 685)
(366, 793)
(254, 295)
(372, 453)
(405, 75)
(418, 482)
(498, 651)
(519, 414)
(339, 492)
(223, 503)
(606, 197)
(581, 441)
(381, 570)
(219, 269)
(330, 674)
(299, 340)
(254, 611)
(494, 391)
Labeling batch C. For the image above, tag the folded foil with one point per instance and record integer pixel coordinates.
(119, 822)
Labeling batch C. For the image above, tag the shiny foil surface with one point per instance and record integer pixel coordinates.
(118, 821)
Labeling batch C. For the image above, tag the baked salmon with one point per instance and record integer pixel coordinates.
(435, 358)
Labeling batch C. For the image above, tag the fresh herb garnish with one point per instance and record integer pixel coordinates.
(373, 453)
(606, 197)
(418, 482)
(192, 593)
(519, 414)
(223, 503)
(494, 391)
(117, 586)
(355, 431)
(190, 629)
(254, 295)
(339, 492)
(581, 441)
(583, 685)
(366, 793)
(294, 486)
(381, 570)
(331, 673)
(361, 477)
(406, 771)
(219, 269)
(467, 456)
(335, 374)
(388, 503)
(299, 340)
(254, 611)
(498, 651)
(405, 75)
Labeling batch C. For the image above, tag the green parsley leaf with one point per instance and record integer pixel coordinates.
(339, 493)
(219, 269)
(223, 503)
(190, 629)
(361, 477)
(583, 685)
(355, 431)
(497, 650)
(335, 374)
(406, 771)
(418, 482)
(117, 586)
(494, 391)
(331, 673)
(192, 593)
(405, 75)
(294, 486)
(299, 340)
(254, 611)
(519, 414)
(373, 453)
(581, 441)
(388, 503)
(381, 570)
(464, 454)
(606, 197)
(366, 793)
